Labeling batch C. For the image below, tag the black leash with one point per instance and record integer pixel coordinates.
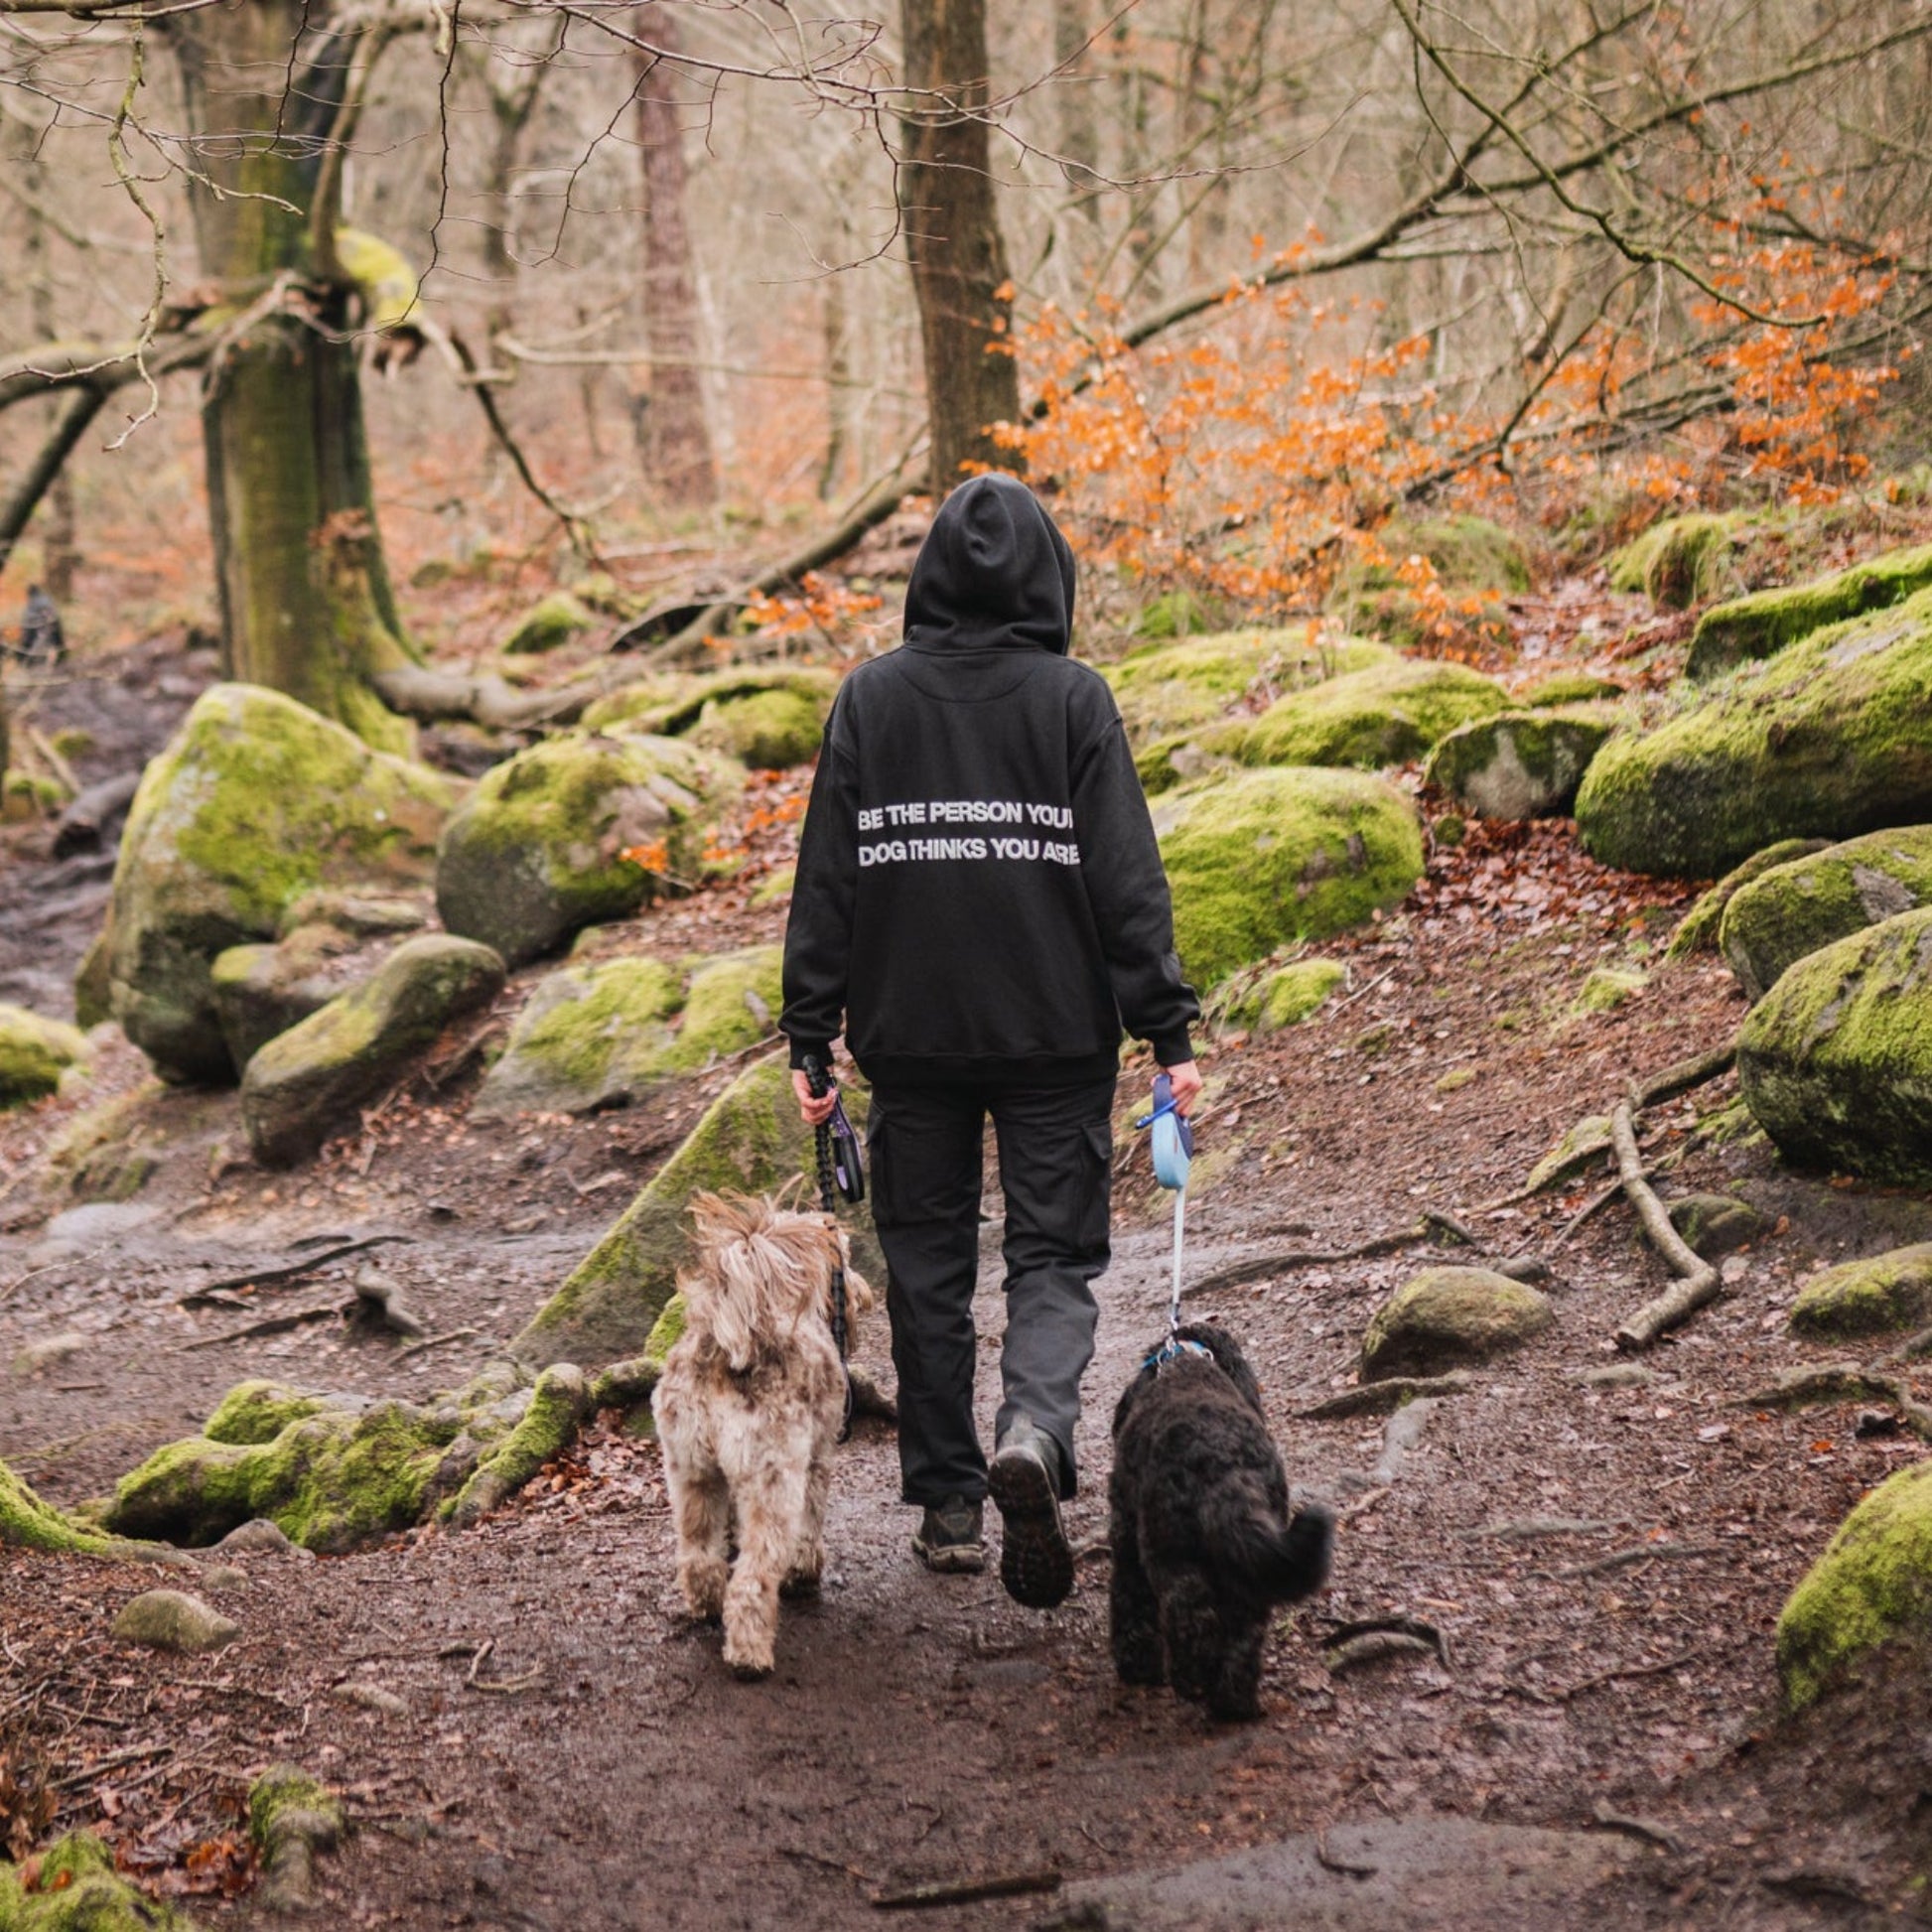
(839, 1173)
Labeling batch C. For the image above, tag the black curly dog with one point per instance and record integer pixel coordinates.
(1204, 1540)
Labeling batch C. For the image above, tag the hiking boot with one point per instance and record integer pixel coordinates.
(1035, 1563)
(950, 1540)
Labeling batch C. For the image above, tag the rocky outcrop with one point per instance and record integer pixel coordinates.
(1826, 740)
(1763, 624)
(306, 1083)
(1836, 1060)
(766, 719)
(1874, 1297)
(1794, 910)
(256, 801)
(1519, 764)
(1259, 859)
(1446, 1316)
(578, 829)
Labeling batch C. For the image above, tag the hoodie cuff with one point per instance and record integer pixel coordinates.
(818, 1049)
(1172, 1050)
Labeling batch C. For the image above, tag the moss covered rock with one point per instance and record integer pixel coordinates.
(1679, 562)
(766, 730)
(306, 1083)
(1716, 1224)
(750, 1138)
(1873, 1583)
(1827, 740)
(1259, 859)
(1568, 687)
(1518, 763)
(1284, 996)
(261, 991)
(1170, 689)
(172, 1620)
(732, 1003)
(1874, 1297)
(94, 984)
(292, 1819)
(1388, 714)
(588, 1037)
(28, 1523)
(1448, 1315)
(34, 1052)
(705, 707)
(537, 851)
(1766, 622)
(256, 800)
(74, 1887)
(1607, 987)
(1698, 932)
(558, 1407)
(1795, 909)
(1836, 1060)
(555, 621)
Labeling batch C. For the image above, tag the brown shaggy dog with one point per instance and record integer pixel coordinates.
(748, 1409)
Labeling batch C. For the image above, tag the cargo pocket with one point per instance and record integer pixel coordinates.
(1096, 1187)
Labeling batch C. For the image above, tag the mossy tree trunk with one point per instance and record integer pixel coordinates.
(951, 221)
(305, 601)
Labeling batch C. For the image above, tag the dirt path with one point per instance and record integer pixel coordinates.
(594, 1766)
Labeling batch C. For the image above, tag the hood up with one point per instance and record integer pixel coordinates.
(994, 573)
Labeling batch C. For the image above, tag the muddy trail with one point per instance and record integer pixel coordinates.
(1580, 1557)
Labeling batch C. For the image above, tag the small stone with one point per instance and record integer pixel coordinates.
(1620, 1375)
(258, 1537)
(1715, 1224)
(171, 1619)
(47, 1353)
(1607, 987)
(225, 1576)
(1456, 1079)
(372, 1696)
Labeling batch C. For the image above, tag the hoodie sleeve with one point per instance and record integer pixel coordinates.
(1127, 887)
(818, 934)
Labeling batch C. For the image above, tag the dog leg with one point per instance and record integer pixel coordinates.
(701, 1513)
(808, 1558)
(770, 1509)
(1235, 1694)
(1190, 1632)
(1134, 1616)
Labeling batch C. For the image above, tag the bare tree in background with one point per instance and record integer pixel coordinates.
(678, 460)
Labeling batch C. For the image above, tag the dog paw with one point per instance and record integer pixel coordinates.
(801, 1583)
(703, 1585)
(748, 1666)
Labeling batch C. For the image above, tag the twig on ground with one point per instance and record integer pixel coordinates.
(1698, 1282)
(1371, 1647)
(1683, 1076)
(1238, 1274)
(801, 1857)
(965, 1891)
(1362, 992)
(1662, 1668)
(434, 1341)
(1639, 1553)
(1632, 1826)
(288, 1271)
(1600, 1200)
(1416, 1635)
(273, 1324)
(1379, 1398)
(1817, 1383)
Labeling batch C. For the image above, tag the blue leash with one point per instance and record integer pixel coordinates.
(1172, 1149)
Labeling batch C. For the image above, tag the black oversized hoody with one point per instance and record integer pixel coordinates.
(979, 892)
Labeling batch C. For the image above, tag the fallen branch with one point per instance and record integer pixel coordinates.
(1412, 1631)
(434, 1341)
(1329, 1862)
(965, 1891)
(1632, 1826)
(273, 1324)
(288, 1271)
(1662, 1668)
(1686, 1074)
(1817, 1383)
(1698, 1282)
(1378, 1398)
(1640, 1553)
(1238, 1274)
(80, 826)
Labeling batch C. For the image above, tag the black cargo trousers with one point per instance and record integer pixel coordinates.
(1056, 1147)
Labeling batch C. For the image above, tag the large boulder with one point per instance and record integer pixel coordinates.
(261, 991)
(1170, 688)
(1698, 930)
(750, 1138)
(1445, 1317)
(34, 1052)
(1388, 714)
(307, 1082)
(1874, 1297)
(606, 1033)
(1827, 740)
(1258, 859)
(1872, 1583)
(539, 848)
(1793, 910)
(1518, 763)
(1763, 624)
(1836, 1060)
(256, 800)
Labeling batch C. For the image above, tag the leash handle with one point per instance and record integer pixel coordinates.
(820, 1080)
(1172, 1149)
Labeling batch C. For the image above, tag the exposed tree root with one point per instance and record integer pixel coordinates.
(1238, 1274)
(1378, 1398)
(1817, 1383)
(1698, 1282)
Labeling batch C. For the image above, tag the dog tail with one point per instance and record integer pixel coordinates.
(1282, 1563)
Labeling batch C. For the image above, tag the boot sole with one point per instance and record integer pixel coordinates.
(1036, 1562)
(953, 1561)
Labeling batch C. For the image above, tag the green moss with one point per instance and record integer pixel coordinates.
(1568, 687)
(34, 1052)
(26, 796)
(1445, 1316)
(1766, 622)
(1174, 614)
(666, 1331)
(1467, 553)
(98, 1154)
(258, 1411)
(1288, 997)
(732, 1003)
(766, 730)
(1576, 1146)
(1874, 1297)
(1795, 909)
(537, 849)
(546, 624)
(670, 707)
(1826, 740)
(1456, 1079)
(1698, 930)
(1449, 829)
(94, 984)
(545, 1429)
(71, 741)
(77, 1890)
(588, 1037)
(1873, 1583)
(1607, 987)
(28, 1523)
(1679, 562)
(773, 887)
(1519, 764)
(1176, 688)
(1836, 1060)
(285, 1788)
(1263, 858)
(1388, 714)
(750, 1138)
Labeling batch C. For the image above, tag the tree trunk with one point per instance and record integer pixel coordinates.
(1079, 133)
(60, 557)
(676, 434)
(305, 602)
(951, 222)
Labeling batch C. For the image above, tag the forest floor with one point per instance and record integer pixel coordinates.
(1602, 1560)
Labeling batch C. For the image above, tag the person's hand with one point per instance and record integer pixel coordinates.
(818, 1110)
(1187, 1082)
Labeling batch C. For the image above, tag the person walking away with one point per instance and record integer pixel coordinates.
(979, 908)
